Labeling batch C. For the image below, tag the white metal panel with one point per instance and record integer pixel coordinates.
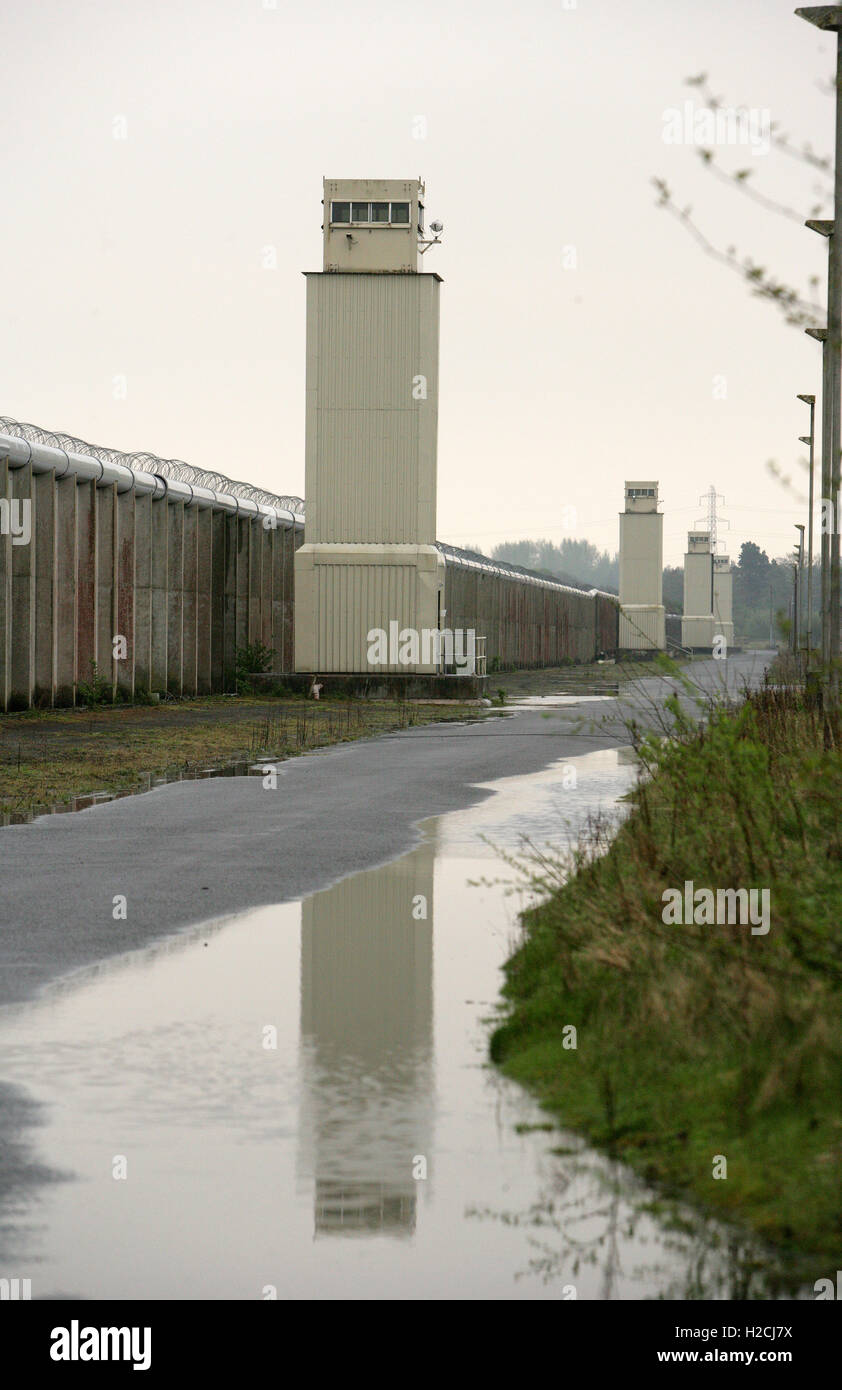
(355, 599)
(642, 628)
(371, 425)
(698, 584)
(641, 558)
(360, 246)
(723, 581)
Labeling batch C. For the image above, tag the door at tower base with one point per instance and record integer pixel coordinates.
(642, 627)
(346, 593)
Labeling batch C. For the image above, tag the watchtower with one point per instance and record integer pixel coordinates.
(642, 625)
(369, 557)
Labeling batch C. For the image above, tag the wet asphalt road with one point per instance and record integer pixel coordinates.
(193, 851)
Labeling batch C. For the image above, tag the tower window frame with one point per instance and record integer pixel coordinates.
(347, 212)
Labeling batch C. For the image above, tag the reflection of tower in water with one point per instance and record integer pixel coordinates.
(366, 1024)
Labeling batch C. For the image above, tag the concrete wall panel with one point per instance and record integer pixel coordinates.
(190, 612)
(175, 598)
(124, 596)
(106, 595)
(5, 585)
(69, 670)
(44, 540)
(23, 590)
(143, 593)
(185, 585)
(159, 598)
(204, 601)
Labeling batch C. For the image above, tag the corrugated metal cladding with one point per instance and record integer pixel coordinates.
(528, 622)
(641, 628)
(641, 551)
(369, 339)
(351, 600)
(698, 583)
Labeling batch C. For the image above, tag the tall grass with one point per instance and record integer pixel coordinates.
(699, 1040)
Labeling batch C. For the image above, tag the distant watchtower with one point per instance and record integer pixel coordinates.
(697, 624)
(369, 556)
(723, 583)
(642, 625)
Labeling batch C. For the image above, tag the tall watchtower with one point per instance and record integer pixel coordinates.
(642, 623)
(723, 583)
(369, 557)
(697, 624)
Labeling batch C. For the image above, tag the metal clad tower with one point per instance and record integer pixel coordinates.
(697, 625)
(642, 625)
(723, 583)
(369, 557)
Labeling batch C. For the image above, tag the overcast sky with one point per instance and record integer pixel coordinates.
(139, 261)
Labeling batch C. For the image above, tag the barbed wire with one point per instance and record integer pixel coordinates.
(475, 557)
(143, 462)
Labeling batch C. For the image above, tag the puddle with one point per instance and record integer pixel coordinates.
(533, 702)
(297, 1102)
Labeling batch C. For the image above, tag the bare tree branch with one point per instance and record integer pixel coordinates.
(781, 141)
(740, 180)
(797, 311)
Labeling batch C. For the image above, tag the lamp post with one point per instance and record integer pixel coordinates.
(799, 592)
(810, 439)
(820, 334)
(829, 19)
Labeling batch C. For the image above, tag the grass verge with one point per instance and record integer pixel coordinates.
(49, 758)
(696, 1042)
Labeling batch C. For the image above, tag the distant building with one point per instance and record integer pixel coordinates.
(641, 570)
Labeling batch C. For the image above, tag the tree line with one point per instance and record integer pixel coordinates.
(763, 587)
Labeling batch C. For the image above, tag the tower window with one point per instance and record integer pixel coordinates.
(382, 213)
(421, 218)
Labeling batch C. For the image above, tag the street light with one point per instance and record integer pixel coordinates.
(799, 590)
(810, 439)
(820, 335)
(829, 19)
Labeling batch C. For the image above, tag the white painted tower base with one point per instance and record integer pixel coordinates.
(342, 593)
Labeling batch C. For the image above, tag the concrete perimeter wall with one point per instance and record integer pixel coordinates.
(92, 553)
(528, 621)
